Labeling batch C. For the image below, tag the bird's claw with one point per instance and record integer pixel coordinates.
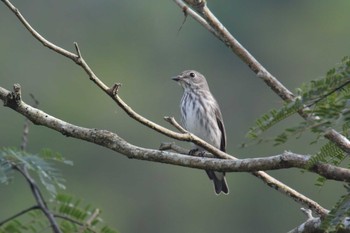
(193, 151)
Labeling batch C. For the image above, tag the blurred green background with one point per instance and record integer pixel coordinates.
(137, 43)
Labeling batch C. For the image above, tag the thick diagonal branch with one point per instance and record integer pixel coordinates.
(208, 20)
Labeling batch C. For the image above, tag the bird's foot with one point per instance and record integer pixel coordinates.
(202, 154)
(196, 152)
(193, 151)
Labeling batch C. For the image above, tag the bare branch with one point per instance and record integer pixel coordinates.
(188, 11)
(40, 38)
(114, 142)
(172, 121)
(284, 160)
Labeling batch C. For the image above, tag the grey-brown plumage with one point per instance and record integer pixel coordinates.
(201, 115)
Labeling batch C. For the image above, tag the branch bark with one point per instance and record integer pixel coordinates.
(181, 158)
(114, 142)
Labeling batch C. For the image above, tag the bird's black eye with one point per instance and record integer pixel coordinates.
(192, 74)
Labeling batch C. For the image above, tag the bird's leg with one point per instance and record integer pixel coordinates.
(193, 152)
(202, 154)
(196, 152)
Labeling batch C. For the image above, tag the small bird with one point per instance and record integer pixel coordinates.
(201, 115)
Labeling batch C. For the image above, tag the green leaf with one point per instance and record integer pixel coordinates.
(71, 213)
(327, 98)
(41, 164)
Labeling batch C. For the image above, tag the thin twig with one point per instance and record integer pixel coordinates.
(328, 94)
(188, 11)
(73, 221)
(39, 198)
(183, 22)
(68, 219)
(172, 121)
(26, 126)
(45, 42)
(87, 224)
(35, 207)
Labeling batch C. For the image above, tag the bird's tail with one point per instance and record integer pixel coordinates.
(219, 180)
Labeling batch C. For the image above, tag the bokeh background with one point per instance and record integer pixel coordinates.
(137, 43)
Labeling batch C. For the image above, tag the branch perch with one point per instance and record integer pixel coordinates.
(114, 142)
(181, 158)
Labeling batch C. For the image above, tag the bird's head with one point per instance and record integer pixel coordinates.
(191, 80)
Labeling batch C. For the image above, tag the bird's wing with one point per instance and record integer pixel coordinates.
(220, 122)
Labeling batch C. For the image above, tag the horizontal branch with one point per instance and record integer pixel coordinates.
(114, 142)
(281, 161)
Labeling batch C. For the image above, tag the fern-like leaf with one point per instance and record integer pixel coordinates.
(41, 164)
(327, 98)
(74, 209)
(270, 119)
(71, 214)
(329, 153)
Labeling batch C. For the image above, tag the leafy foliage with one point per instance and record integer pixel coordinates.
(69, 207)
(326, 100)
(329, 153)
(72, 216)
(338, 216)
(275, 116)
(41, 164)
(70, 212)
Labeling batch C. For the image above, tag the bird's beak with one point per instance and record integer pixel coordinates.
(176, 78)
